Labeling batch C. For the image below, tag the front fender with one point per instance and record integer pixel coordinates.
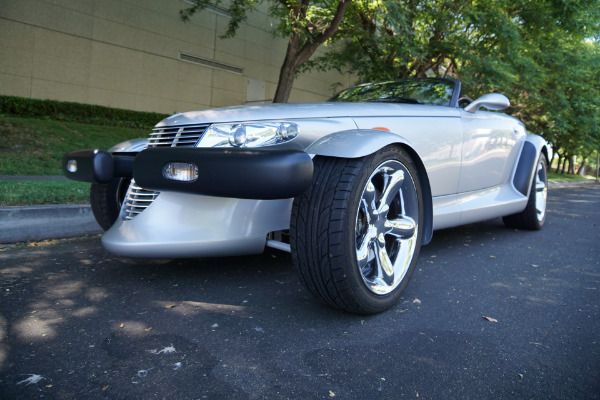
(129, 146)
(362, 142)
(354, 143)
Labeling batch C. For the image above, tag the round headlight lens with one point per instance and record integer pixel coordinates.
(237, 136)
(249, 134)
(287, 131)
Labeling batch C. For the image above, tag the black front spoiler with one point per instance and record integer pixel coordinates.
(237, 173)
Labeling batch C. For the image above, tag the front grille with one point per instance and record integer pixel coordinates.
(137, 200)
(177, 136)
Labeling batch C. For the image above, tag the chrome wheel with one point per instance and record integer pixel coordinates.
(541, 189)
(387, 227)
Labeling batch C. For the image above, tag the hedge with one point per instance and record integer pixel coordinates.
(77, 112)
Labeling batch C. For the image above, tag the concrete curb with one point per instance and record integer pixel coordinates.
(20, 224)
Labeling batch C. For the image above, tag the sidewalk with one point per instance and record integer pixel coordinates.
(31, 223)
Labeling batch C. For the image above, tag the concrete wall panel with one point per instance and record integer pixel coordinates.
(14, 85)
(126, 54)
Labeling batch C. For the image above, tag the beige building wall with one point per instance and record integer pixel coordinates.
(139, 55)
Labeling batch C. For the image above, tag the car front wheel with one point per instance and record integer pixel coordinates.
(356, 232)
(106, 200)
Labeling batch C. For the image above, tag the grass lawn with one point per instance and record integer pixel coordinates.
(556, 177)
(35, 146)
(26, 193)
(31, 146)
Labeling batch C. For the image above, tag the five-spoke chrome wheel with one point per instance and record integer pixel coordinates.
(386, 227)
(356, 232)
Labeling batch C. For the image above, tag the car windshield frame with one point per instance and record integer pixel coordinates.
(430, 91)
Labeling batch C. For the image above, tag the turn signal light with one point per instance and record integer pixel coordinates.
(72, 166)
(183, 172)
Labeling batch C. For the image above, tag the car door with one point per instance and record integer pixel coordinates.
(436, 140)
(488, 150)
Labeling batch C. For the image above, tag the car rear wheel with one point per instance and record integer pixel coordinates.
(534, 215)
(356, 232)
(106, 200)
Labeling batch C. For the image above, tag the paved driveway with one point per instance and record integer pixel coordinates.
(490, 313)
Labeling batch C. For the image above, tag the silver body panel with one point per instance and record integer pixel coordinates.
(186, 225)
(469, 157)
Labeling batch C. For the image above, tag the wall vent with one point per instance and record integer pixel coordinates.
(210, 63)
(214, 8)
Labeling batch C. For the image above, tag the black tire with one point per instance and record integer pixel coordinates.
(534, 215)
(337, 227)
(106, 200)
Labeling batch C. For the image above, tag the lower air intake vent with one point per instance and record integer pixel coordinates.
(137, 200)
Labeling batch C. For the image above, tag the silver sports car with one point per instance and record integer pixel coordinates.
(351, 187)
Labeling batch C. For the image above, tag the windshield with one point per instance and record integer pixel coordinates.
(437, 91)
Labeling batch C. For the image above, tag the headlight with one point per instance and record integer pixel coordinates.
(249, 134)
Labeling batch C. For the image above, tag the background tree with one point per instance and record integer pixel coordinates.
(542, 54)
(306, 23)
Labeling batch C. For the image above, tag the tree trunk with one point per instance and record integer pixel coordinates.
(287, 74)
(597, 162)
(559, 163)
(572, 165)
(296, 55)
(582, 167)
(569, 162)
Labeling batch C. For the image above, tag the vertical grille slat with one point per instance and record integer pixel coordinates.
(137, 198)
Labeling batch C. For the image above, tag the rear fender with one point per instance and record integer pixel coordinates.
(362, 142)
(533, 146)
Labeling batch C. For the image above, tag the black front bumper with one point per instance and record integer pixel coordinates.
(232, 172)
(97, 166)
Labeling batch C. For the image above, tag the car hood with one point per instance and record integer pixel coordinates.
(286, 111)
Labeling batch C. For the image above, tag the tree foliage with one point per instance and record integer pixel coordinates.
(543, 54)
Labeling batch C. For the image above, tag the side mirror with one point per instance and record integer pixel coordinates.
(491, 101)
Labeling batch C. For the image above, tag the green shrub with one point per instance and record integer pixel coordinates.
(77, 112)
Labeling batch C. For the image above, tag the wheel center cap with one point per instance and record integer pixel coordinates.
(380, 221)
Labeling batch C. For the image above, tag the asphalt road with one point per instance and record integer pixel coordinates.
(77, 322)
